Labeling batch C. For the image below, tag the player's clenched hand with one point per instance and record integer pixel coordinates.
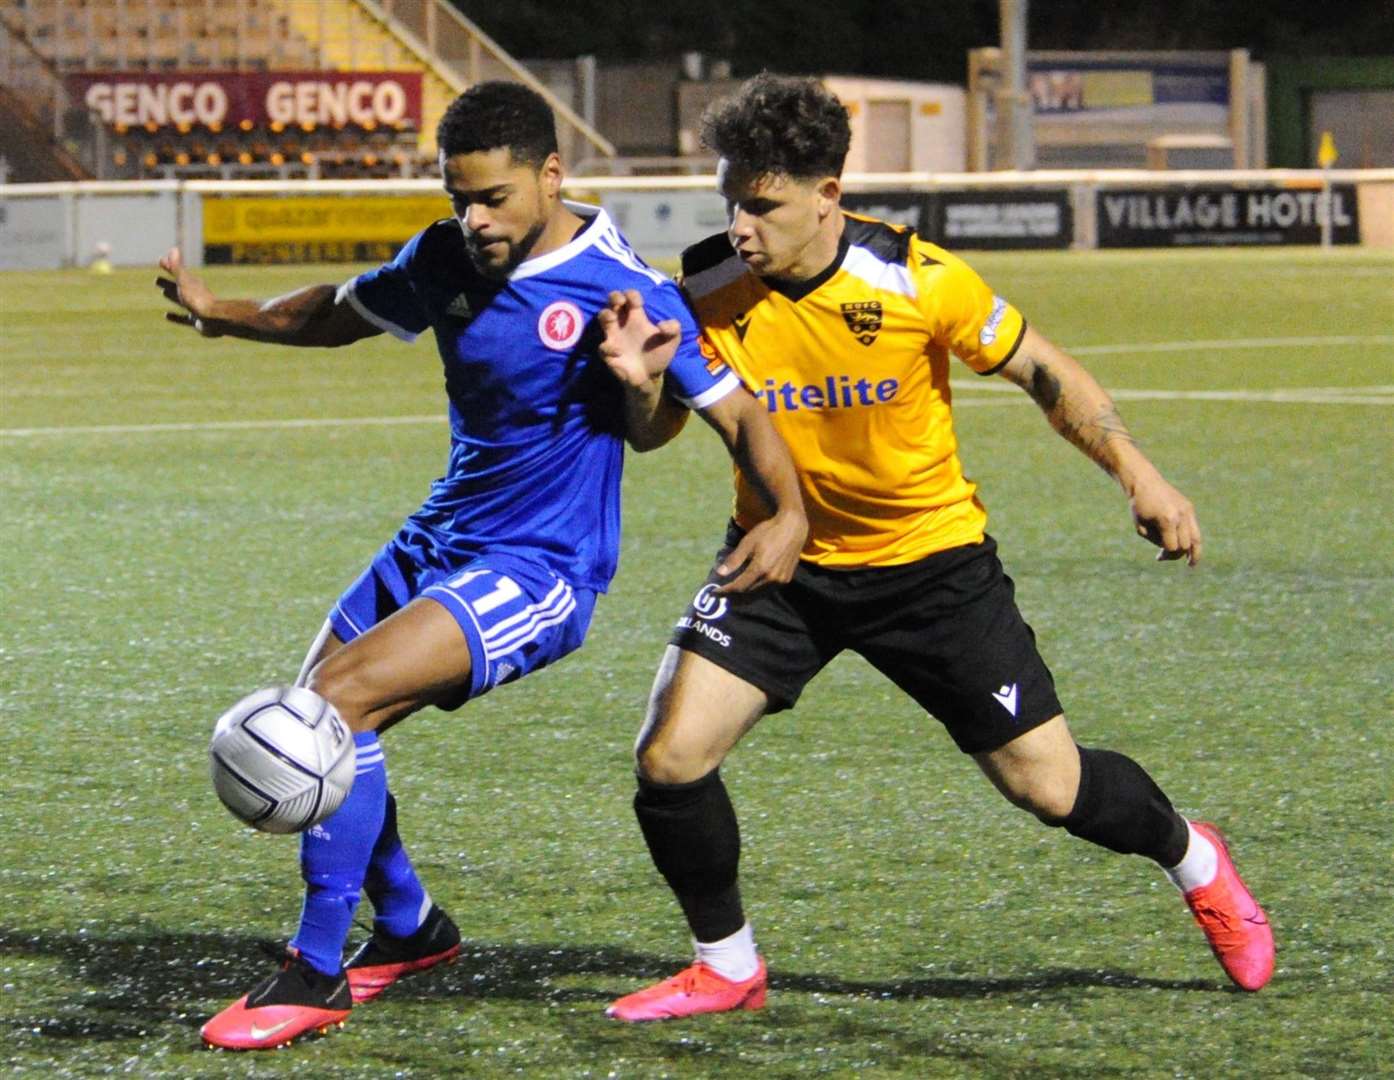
(1166, 517)
(187, 290)
(635, 349)
(766, 555)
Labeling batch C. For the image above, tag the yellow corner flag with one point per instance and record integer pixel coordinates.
(1326, 152)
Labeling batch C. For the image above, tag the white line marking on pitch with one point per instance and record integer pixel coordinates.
(1313, 395)
(1298, 395)
(230, 425)
(1232, 343)
(1355, 395)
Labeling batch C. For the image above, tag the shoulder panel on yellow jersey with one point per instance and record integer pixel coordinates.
(889, 243)
(877, 254)
(708, 265)
(705, 254)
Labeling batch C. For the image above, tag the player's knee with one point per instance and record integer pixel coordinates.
(1050, 796)
(659, 767)
(341, 682)
(665, 763)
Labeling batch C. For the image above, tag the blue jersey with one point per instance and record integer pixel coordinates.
(536, 417)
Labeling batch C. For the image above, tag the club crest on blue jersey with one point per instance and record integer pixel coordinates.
(560, 325)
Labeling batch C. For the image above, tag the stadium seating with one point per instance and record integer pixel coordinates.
(167, 36)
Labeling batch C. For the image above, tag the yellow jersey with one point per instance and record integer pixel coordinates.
(853, 366)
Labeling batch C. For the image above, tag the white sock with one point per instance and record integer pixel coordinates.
(1199, 865)
(732, 957)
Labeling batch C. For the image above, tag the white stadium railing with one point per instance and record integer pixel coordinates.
(60, 224)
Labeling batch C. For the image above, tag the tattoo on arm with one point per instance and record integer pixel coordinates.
(1044, 387)
(1110, 426)
(1091, 433)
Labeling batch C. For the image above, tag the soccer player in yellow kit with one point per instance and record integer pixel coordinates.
(844, 327)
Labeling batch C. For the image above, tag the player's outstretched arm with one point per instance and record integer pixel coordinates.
(309, 316)
(1081, 410)
(638, 352)
(769, 553)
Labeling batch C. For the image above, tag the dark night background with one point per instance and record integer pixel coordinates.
(918, 39)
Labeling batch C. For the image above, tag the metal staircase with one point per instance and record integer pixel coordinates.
(452, 52)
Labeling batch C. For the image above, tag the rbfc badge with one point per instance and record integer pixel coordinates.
(560, 325)
(863, 319)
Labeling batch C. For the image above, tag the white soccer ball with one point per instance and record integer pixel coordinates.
(282, 759)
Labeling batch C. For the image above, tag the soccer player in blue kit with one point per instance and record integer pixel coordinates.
(533, 302)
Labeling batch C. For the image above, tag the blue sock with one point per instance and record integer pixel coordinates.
(334, 859)
(399, 899)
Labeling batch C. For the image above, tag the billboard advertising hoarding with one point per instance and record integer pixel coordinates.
(216, 99)
(975, 220)
(1218, 214)
(314, 228)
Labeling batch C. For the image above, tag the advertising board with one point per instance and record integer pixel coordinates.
(1217, 214)
(975, 220)
(314, 228)
(216, 99)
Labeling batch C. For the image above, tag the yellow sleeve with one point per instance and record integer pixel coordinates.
(964, 314)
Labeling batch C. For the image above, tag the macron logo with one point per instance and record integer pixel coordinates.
(1006, 697)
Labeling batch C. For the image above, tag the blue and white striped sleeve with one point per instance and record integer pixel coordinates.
(388, 297)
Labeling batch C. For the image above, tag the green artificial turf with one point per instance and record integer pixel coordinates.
(915, 924)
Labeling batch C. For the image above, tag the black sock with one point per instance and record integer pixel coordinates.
(695, 842)
(1121, 808)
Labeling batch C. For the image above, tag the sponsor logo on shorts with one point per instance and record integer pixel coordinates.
(708, 603)
(560, 325)
(705, 629)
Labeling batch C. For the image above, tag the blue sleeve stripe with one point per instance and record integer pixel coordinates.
(713, 394)
(347, 292)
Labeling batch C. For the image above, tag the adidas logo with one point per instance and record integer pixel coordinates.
(459, 308)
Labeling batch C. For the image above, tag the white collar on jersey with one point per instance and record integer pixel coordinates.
(541, 263)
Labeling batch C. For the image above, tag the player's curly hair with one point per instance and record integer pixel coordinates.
(776, 124)
(490, 115)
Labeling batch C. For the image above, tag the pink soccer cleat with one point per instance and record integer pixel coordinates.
(383, 959)
(697, 989)
(1234, 924)
(295, 1000)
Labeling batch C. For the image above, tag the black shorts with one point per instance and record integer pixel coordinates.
(946, 630)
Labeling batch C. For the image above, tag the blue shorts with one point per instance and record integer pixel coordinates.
(515, 615)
